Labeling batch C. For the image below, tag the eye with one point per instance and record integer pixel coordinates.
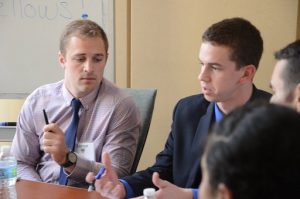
(79, 59)
(98, 59)
(214, 67)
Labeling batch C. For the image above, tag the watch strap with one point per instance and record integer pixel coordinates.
(68, 163)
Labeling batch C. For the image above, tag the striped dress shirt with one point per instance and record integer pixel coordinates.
(109, 119)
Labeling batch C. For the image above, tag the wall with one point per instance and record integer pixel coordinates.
(122, 42)
(29, 39)
(163, 43)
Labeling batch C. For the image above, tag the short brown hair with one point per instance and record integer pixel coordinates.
(85, 28)
(291, 73)
(241, 36)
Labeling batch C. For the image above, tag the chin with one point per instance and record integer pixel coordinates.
(210, 98)
(85, 90)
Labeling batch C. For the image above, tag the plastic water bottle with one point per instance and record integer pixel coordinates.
(149, 193)
(8, 174)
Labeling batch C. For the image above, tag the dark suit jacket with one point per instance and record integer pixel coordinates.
(179, 162)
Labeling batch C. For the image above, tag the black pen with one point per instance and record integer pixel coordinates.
(45, 116)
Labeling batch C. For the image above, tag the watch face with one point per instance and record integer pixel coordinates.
(72, 157)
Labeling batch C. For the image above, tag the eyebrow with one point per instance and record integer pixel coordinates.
(100, 54)
(216, 64)
(212, 63)
(83, 54)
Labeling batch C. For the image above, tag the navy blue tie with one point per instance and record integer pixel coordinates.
(70, 136)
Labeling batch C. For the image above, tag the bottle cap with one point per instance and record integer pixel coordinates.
(149, 192)
(84, 16)
(4, 151)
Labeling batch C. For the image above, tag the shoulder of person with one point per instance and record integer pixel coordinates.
(112, 93)
(45, 91)
(261, 94)
(194, 100)
(192, 104)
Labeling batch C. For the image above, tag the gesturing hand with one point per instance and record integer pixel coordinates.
(108, 185)
(169, 190)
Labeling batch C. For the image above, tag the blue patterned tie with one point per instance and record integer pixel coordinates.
(70, 136)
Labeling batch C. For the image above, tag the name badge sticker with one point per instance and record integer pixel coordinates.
(86, 149)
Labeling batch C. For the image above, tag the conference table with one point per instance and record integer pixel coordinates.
(40, 190)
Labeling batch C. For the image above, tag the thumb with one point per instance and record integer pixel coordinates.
(90, 177)
(110, 172)
(159, 182)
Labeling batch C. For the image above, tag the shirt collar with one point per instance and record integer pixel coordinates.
(218, 113)
(85, 100)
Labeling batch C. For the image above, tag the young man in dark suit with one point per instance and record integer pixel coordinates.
(229, 56)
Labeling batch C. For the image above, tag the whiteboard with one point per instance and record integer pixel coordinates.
(29, 39)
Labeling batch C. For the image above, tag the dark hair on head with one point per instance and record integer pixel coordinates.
(255, 152)
(241, 36)
(291, 74)
(81, 28)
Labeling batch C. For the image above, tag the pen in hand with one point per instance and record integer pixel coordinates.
(45, 116)
(97, 177)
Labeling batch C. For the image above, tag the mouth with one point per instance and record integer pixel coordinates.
(206, 90)
(88, 78)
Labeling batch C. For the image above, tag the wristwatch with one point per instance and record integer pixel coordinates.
(71, 159)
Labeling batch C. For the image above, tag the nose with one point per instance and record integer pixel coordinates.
(88, 67)
(203, 75)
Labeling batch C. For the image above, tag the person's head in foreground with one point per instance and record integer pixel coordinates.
(285, 81)
(253, 153)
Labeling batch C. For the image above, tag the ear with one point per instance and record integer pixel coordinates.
(61, 59)
(224, 192)
(248, 73)
(297, 97)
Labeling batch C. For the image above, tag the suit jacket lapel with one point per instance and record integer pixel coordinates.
(204, 125)
(203, 128)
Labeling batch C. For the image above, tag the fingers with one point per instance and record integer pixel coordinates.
(110, 190)
(112, 175)
(139, 197)
(90, 177)
(54, 142)
(106, 161)
(159, 182)
(53, 132)
(109, 185)
(51, 127)
(53, 136)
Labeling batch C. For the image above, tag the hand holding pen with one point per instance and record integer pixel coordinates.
(54, 141)
(109, 186)
(97, 177)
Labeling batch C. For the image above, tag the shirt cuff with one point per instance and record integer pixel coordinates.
(128, 188)
(82, 167)
(195, 193)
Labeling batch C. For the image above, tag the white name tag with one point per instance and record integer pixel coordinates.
(87, 150)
